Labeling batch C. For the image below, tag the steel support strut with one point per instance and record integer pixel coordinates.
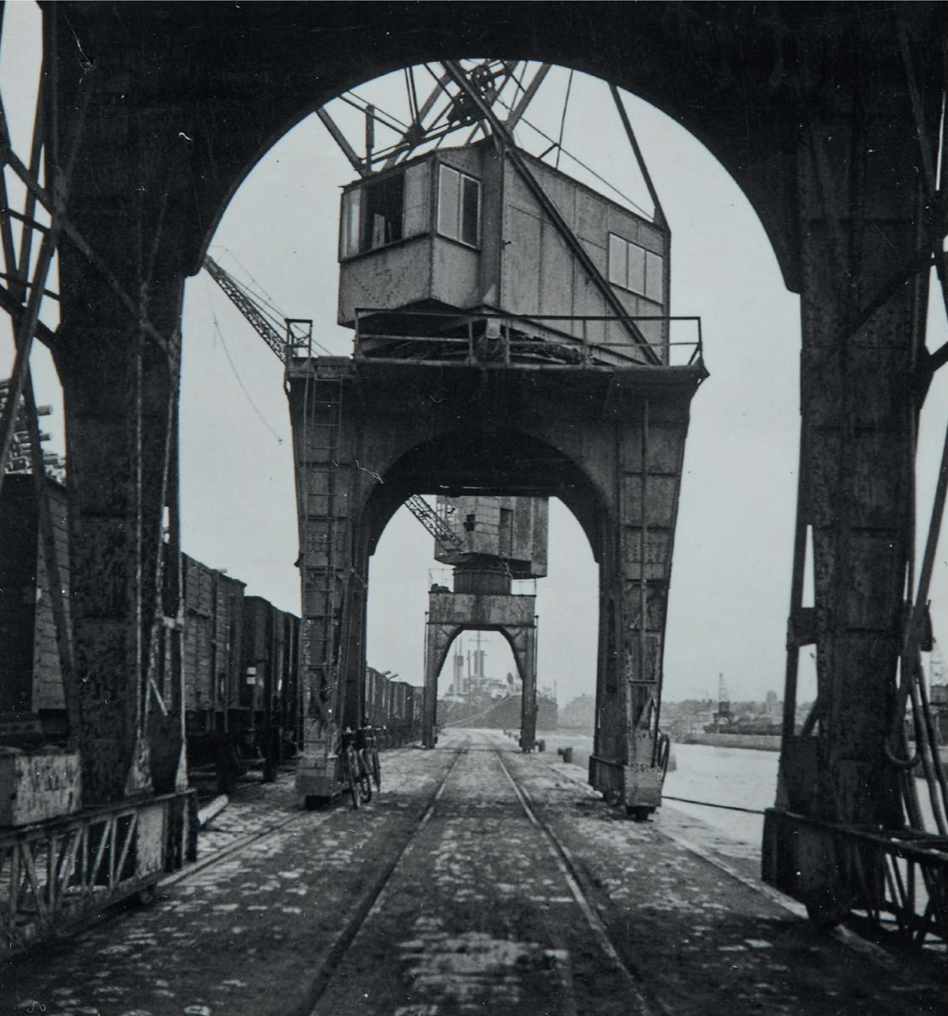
(865, 253)
(513, 616)
(77, 864)
(117, 354)
(635, 572)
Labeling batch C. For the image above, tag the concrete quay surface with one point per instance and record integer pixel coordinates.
(479, 881)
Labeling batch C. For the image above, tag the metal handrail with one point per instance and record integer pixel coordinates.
(467, 318)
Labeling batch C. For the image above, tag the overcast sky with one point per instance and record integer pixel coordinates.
(731, 576)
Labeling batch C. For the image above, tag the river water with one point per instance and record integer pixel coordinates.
(740, 777)
(736, 777)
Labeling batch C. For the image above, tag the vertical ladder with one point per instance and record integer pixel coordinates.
(321, 553)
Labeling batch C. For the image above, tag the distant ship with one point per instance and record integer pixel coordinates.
(477, 710)
(475, 700)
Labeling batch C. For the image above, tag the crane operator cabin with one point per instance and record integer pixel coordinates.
(461, 229)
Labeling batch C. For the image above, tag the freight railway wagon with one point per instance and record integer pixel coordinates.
(239, 653)
(32, 688)
(240, 656)
(393, 708)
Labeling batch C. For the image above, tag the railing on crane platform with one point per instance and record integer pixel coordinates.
(469, 345)
(299, 339)
(511, 342)
(441, 580)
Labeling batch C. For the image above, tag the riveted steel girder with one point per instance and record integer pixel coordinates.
(608, 441)
(513, 616)
(862, 225)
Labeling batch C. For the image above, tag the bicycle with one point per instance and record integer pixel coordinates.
(369, 754)
(355, 771)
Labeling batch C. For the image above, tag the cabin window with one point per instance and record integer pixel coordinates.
(384, 211)
(349, 226)
(382, 206)
(459, 206)
(634, 268)
(654, 276)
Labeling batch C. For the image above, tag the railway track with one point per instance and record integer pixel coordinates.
(637, 999)
(480, 880)
(368, 904)
(240, 843)
(368, 921)
(380, 908)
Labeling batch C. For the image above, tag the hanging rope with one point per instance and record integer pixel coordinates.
(708, 804)
(240, 381)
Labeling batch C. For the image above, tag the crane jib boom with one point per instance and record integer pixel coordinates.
(247, 306)
(432, 521)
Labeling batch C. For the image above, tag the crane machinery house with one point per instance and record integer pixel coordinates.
(486, 229)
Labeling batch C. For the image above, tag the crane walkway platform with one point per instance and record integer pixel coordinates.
(480, 880)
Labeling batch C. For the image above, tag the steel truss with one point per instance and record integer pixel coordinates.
(894, 881)
(56, 873)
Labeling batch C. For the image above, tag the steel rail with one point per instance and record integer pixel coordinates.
(371, 900)
(294, 817)
(229, 849)
(639, 1004)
